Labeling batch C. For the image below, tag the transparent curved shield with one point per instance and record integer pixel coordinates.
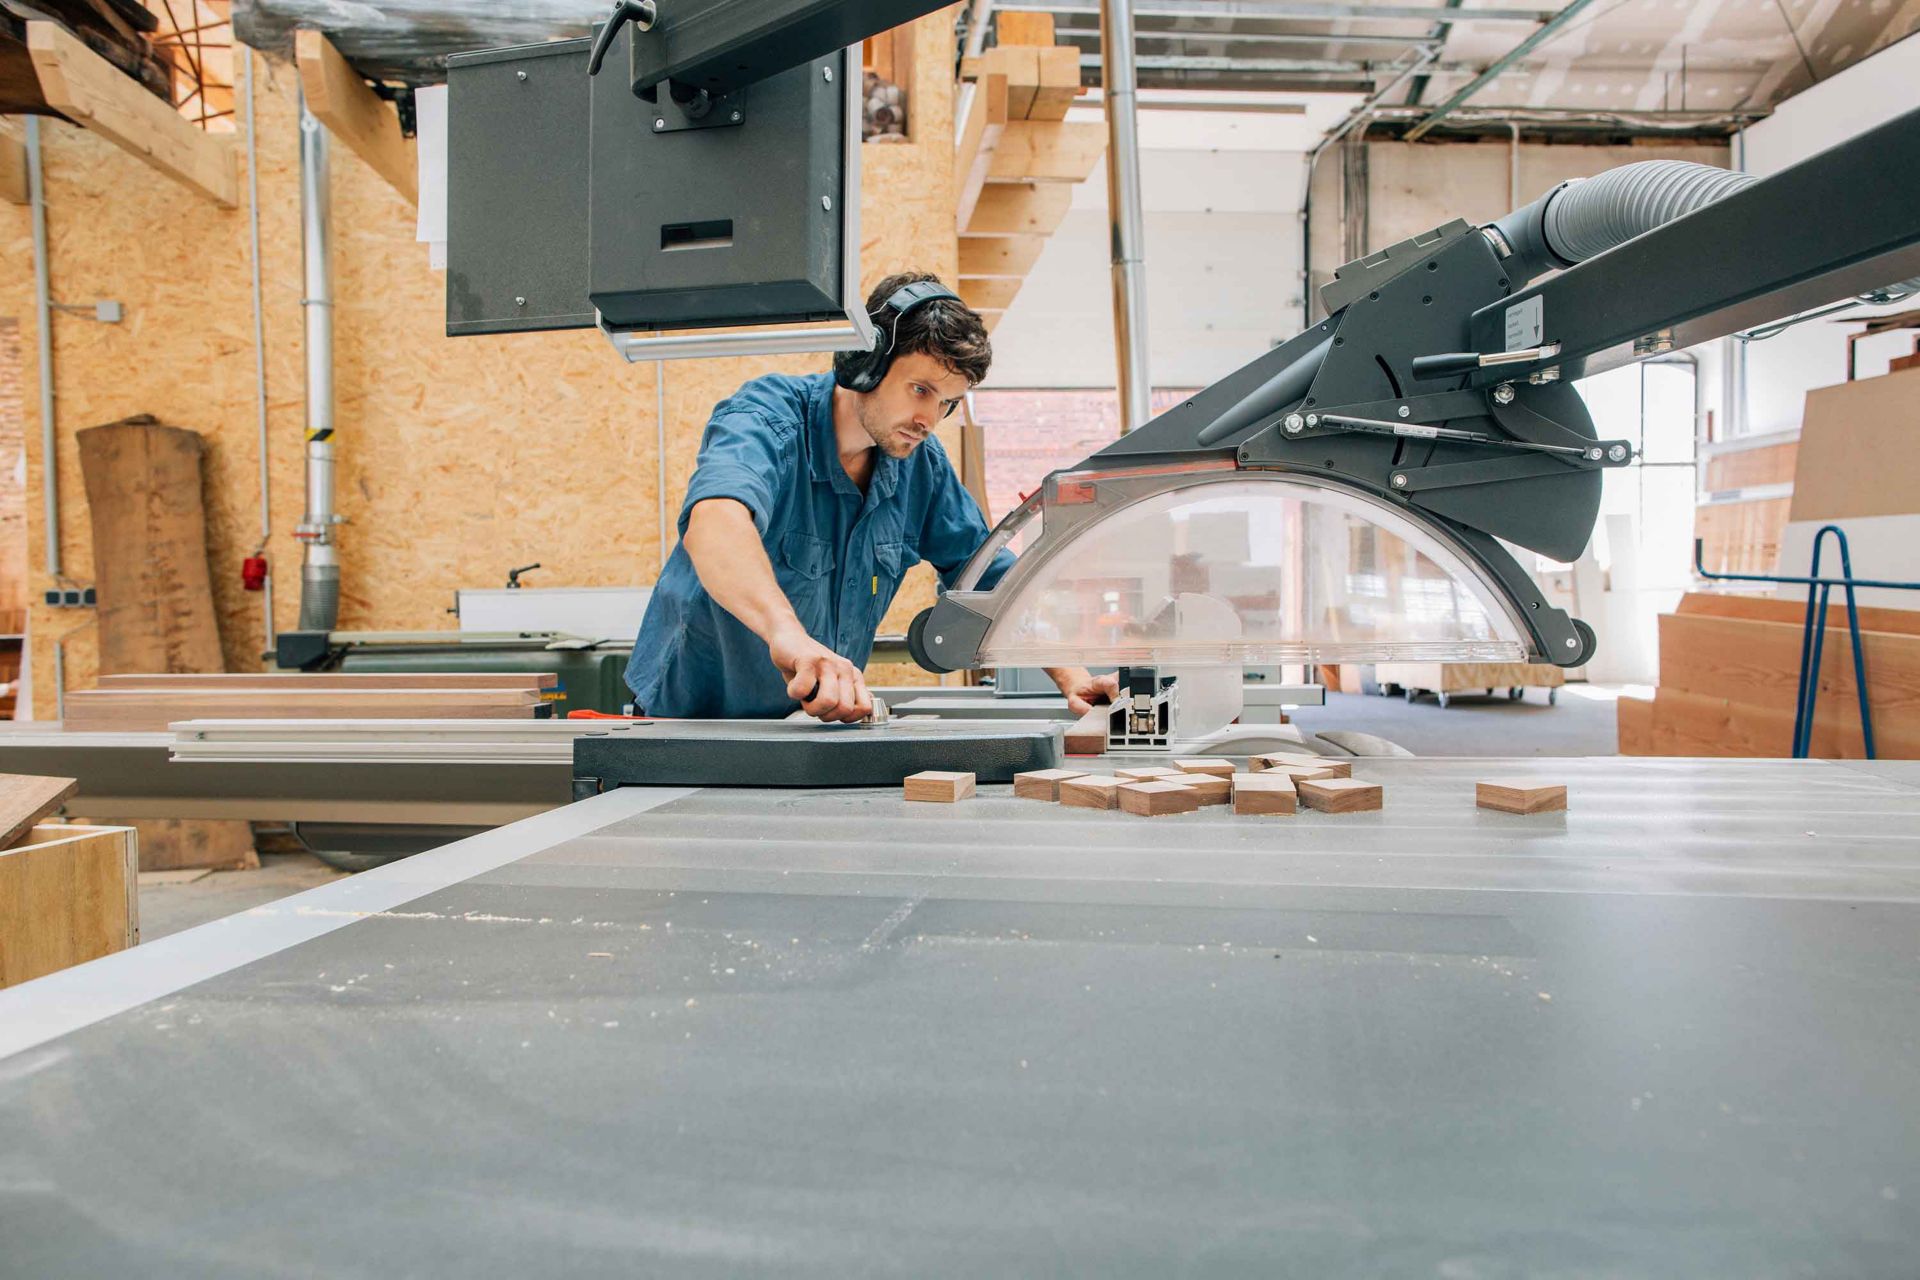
(1242, 568)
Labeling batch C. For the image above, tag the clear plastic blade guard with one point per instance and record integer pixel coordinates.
(1202, 564)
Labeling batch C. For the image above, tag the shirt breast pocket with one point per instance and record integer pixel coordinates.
(801, 568)
(891, 561)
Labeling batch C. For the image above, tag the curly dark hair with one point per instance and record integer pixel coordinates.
(949, 331)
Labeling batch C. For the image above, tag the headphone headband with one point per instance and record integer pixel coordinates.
(865, 370)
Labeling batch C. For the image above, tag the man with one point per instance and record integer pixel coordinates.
(811, 499)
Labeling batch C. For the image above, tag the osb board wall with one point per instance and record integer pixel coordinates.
(13, 494)
(458, 458)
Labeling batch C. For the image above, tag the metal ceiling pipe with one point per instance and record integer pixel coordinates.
(1126, 223)
(978, 14)
(259, 346)
(320, 568)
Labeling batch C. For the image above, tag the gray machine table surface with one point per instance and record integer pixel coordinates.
(723, 1032)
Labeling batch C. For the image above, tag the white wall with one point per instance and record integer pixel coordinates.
(1221, 192)
(1780, 371)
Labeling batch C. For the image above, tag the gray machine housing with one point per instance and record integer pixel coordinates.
(570, 199)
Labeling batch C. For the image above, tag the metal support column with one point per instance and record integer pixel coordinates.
(320, 570)
(1123, 211)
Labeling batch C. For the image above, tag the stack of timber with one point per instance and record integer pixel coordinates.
(149, 703)
(1730, 667)
(1018, 159)
(118, 31)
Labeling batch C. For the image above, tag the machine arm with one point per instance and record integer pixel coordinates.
(1433, 407)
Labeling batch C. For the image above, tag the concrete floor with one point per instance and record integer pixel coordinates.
(1582, 724)
(169, 902)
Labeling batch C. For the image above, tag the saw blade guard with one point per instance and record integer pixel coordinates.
(1201, 564)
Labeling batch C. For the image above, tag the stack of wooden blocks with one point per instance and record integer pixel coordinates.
(1017, 159)
(149, 703)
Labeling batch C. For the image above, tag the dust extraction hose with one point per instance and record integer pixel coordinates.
(1584, 218)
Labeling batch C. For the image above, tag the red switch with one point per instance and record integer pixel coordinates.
(253, 573)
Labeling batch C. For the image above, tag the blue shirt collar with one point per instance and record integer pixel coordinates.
(823, 451)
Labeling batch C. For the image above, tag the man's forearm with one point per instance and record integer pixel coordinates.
(732, 563)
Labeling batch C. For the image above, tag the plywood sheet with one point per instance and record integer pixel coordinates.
(25, 800)
(1859, 450)
(68, 894)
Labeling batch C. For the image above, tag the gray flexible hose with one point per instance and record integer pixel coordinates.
(1584, 218)
(1588, 218)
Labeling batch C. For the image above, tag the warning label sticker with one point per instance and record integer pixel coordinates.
(1525, 323)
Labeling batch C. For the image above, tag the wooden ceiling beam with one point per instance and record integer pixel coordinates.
(92, 92)
(340, 99)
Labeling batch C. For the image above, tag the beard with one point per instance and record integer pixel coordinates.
(896, 440)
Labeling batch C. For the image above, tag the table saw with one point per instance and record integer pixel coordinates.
(826, 1032)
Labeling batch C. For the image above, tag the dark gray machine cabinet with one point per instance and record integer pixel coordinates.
(710, 222)
(517, 128)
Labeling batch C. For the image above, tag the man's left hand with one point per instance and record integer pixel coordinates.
(1084, 691)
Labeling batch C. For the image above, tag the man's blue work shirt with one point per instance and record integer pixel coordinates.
(838, 554)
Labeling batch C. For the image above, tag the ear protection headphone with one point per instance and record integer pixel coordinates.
(865, 370)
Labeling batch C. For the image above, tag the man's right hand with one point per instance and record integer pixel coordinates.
(826, 685)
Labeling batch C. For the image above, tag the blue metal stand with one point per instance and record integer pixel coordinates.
(1814, 632)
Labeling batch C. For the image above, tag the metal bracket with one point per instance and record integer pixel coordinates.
(856, 335)
(703, 111)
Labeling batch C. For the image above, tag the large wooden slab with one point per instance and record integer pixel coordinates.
(87, 89)
(68, 894)
(25, 800)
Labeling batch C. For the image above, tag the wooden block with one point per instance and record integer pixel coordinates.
(1340, 795)
(1146, 773)
(1090, 791)
(1264, 793)
(1013, 27)
(1520, 795)
(1210, 764)
(1059, 84)
(25, 799)
(1088, 737)
(1043, 784)
(1325, 765)
(1019, 209)
(939, 787)
(999, 257)
(1020, 64)
(1158, 797)
(68, 894)
(1297, 774)
(1049, 152)
(353, 113)
(1210, 788)
(215, 844)
(92, 92)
